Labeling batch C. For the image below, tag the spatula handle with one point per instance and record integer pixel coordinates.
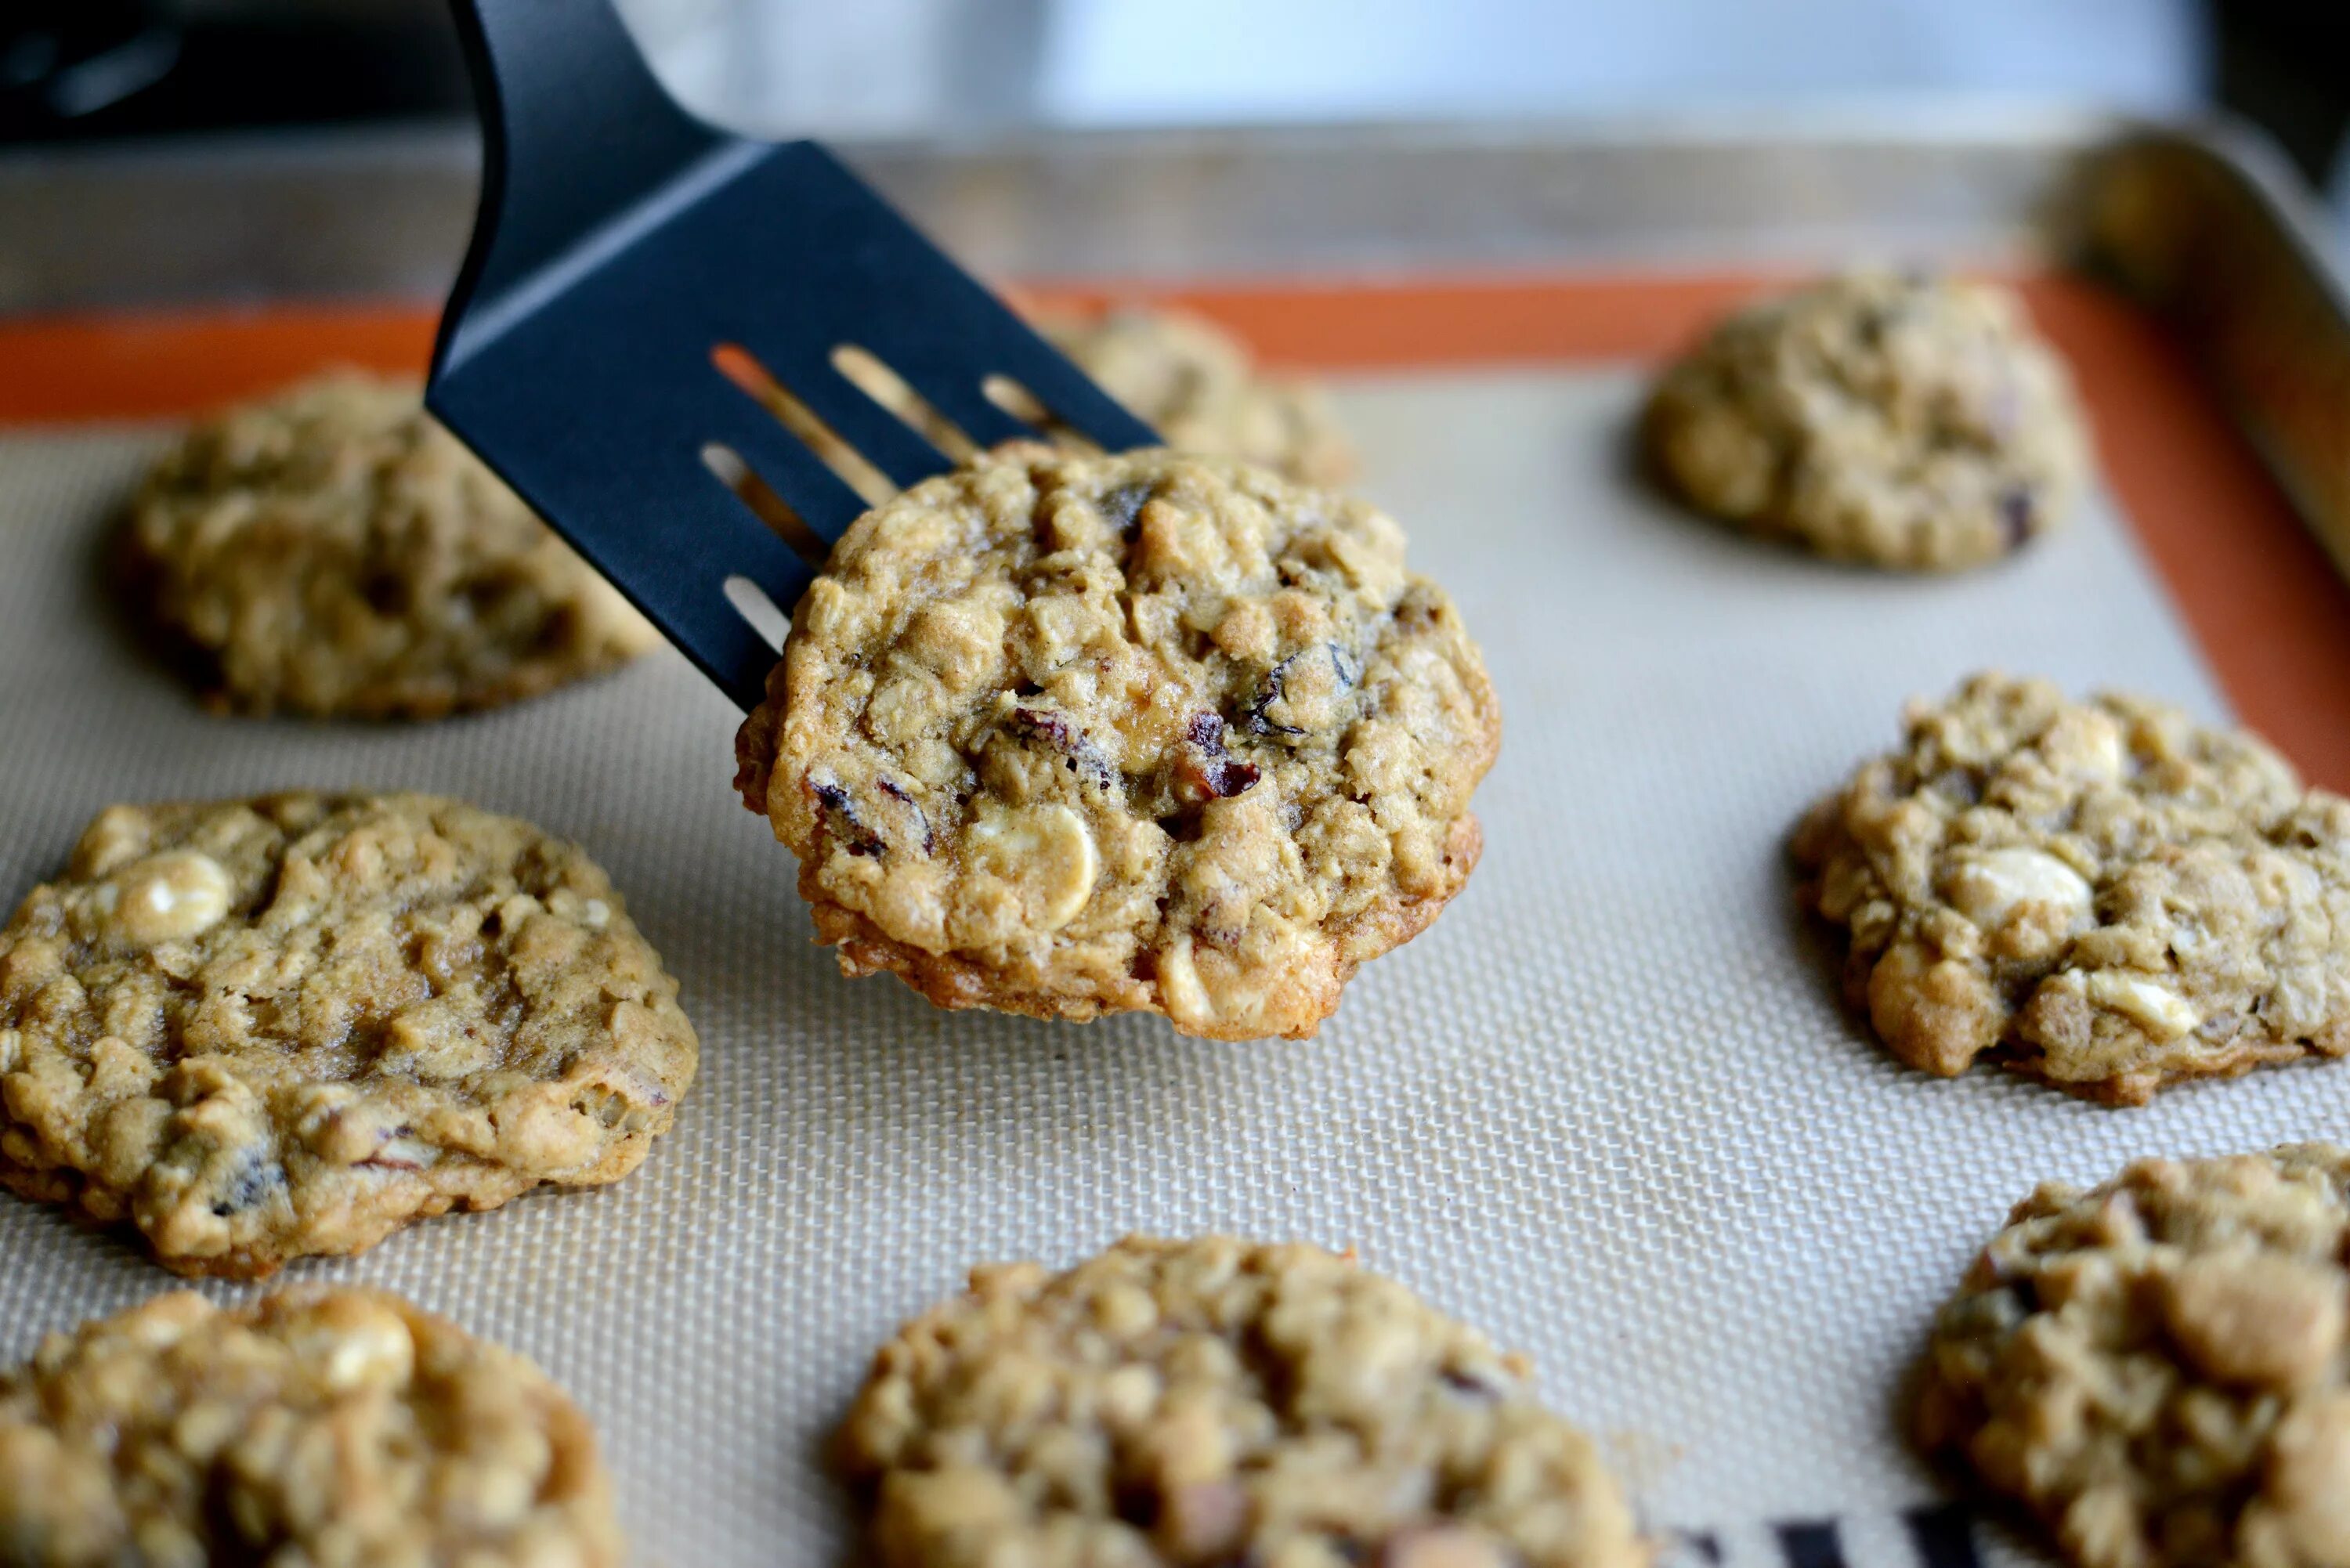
(575, 128)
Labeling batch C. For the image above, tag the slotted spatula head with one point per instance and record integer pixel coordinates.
(621, 245)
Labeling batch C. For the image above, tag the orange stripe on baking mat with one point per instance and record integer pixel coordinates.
(58, 369)
(2263, 599)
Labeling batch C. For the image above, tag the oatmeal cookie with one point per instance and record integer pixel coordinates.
(1203, 391)
(264, 1030)
(1071, 736)
(1879, 417)
(1217, 1401)
(2103, 895)
(2155, 1367)
(318, 1425)
(334, 551)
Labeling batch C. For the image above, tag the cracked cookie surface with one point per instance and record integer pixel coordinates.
(1071, 736)
(318, 1425)
(2103, 895)
(1216, 1400)
(1201, 389)
(2155, 1367)
(333, 551)
(264, 1030)
(1879, 417)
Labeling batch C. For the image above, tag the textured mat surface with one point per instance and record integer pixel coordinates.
(1608, 1109)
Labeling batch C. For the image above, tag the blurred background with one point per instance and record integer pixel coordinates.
(87, 68)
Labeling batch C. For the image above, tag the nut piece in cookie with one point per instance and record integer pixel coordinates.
(315, 1425)
(1070, 735)
(1216, 1400)
(2103, 895)
(2154, 1368)
(271, 1029)
(334, 551)
(1880, 417)
(1203, 391)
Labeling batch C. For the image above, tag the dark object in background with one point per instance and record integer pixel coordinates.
(75, 69)
(79, 69)
(64, 60)
(2285, 66)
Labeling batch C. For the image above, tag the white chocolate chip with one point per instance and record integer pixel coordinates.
(595, 915)
(404, 1154)
(383, 1355)
(1990, 887)
(2090, 745)
(2158, 1009)
(1179, 991)
(356, 1343)
(170, 897)
(1046, 851)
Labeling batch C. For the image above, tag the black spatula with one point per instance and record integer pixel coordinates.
(621, 246)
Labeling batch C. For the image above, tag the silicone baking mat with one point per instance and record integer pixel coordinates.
(1608, 1109)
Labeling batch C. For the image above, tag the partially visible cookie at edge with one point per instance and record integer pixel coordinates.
(332, 551)
(2105, 894)
(1202, 390)
(2155, 1367)
(270, 1028)
(1216, 1400)
(1071, 736)
(1894, 419)
(315, 1425)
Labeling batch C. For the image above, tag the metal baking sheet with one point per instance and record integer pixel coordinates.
(1608, 1107)
(2203, 224)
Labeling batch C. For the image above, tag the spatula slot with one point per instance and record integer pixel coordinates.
(738, 365)
(924, 369)
(1014, 398)
(767, 505)
(758, 611)
(861, 368)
